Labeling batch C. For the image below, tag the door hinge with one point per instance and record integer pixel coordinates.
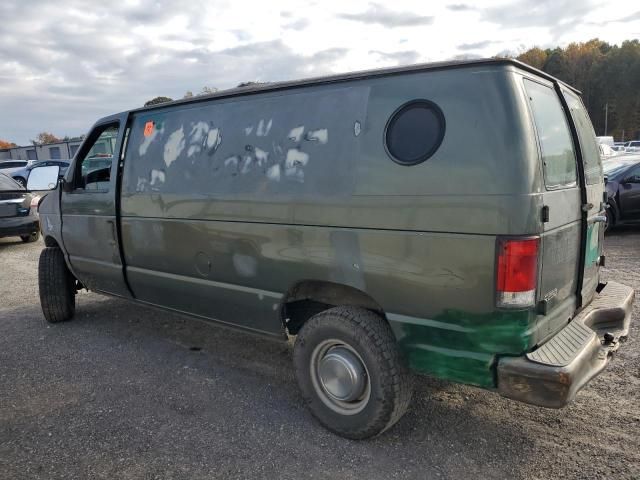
(587, 206)
(545, 214)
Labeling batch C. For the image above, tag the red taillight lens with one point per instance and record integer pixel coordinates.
(517, 272)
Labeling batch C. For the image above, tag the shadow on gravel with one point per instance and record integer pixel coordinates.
(190, 372)
(11, 242)
(623, 231)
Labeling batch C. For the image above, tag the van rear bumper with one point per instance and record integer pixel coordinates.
(552, 375)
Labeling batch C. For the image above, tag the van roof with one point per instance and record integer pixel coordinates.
(379, 72)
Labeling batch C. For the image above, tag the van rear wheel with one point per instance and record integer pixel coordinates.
(57, 286)
(350, 372)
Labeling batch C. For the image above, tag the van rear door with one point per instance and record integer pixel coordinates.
(562, 197)
(593, 183)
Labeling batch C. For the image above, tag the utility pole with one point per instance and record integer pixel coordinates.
(606, 117)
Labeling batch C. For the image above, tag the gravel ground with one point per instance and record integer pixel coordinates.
(125, 391)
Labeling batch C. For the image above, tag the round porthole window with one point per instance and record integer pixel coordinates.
(414, 132)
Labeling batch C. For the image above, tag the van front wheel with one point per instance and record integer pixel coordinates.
(57, 286)
(350, 371)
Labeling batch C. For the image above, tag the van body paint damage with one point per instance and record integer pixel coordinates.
(321, 136)
(144, 146)
(157, 177)
(264, 128)
(296, 133)
(462, 346)
(174, 146)
(295, 163)
(214, 139)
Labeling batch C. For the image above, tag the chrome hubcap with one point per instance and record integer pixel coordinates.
(342, 374)
(340, 377)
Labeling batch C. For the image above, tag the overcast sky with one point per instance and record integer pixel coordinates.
(64, 64)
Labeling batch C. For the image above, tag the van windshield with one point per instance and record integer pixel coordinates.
(586, 136)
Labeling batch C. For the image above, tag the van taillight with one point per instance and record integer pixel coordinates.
(517, 272)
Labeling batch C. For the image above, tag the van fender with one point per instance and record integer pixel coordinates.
(306, 298)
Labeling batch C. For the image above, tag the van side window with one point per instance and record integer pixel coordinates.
(414, 132)
(93, 171)
(587, 138)
(556, 146)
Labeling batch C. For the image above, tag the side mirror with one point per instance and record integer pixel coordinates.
(43, 178)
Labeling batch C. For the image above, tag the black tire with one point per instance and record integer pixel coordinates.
(21, 181)
(57, 286)
(30, 238)
(611, 220)
(371, 338)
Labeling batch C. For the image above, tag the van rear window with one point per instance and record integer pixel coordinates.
(554, 137)
(587, 139)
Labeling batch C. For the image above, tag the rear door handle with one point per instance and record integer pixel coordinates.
(600, 218)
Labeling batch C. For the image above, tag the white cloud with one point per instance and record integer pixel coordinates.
(65, 64)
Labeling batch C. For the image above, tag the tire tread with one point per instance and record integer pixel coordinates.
(56, 286)
(393, 371)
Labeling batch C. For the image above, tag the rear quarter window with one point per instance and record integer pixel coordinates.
(587, 138)
(554, 136)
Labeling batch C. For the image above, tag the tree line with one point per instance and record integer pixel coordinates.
(608, 77)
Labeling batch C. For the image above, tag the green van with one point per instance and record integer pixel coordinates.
(445, 219)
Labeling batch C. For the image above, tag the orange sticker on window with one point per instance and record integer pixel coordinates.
(148, 129)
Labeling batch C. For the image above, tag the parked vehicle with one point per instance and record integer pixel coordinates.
(606, 151)
(605, 140)
(622, 178)
(10, 164)
(21, 175)
(96, 162)
(632, 146)
(444, 217)
(18, 216)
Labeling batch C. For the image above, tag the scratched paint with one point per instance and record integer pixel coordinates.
(273, 173)
(261, 156)
(321, 136)
(264, 128)
(231, 161)
(294, 164)
(174, 146)
(214, 139)
(144, 146)
(246, 164)
(296, 133)
(157, 177)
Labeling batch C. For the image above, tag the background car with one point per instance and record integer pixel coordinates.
(606, 152)
(10, 164)
(96, 162)
(18, 211)
(21, 175)
(632, 146)
(622, 178)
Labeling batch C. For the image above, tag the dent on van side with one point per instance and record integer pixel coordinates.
(444, 219)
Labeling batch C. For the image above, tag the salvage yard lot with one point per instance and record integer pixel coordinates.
(125, 391)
